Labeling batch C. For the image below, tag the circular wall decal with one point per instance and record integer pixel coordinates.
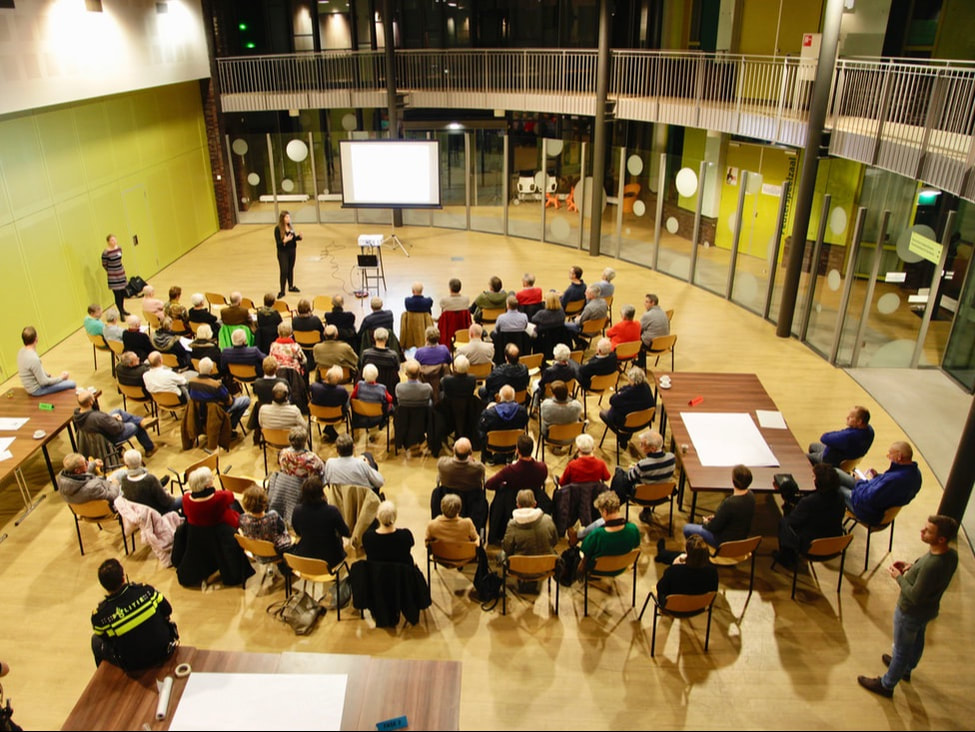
(639, 208)
(297, 150)
(686, 182)
(833, 280)
(904, 242)
(634, 165)
(349, 122)
(287, 185)
(239, 146)
(560, 228)
(888, 303)
(254, 179)
(672, 225)
(553, 148)
(837, 220)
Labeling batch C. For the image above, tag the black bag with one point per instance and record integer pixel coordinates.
(135, 287)
(487, 583)
(567, 568)
(787, 487)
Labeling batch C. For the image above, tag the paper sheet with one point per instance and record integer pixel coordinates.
(233, 702)
(770, 420)
(5, 443)
(723, 438)
(12, 423)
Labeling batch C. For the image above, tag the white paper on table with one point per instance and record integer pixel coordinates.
(770, 420)
(229, 701)
(5, 455)
(5, 443)
(12, 423)
(727, 438)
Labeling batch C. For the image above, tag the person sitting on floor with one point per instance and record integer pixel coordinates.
(79, 481)
(140, 486)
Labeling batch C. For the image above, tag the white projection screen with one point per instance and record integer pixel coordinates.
(390, 173)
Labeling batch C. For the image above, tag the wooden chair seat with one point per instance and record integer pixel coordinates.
(650, 495)
(680, 606)
(316, 571)
(529, 568)
(731, 553)
(611, 565)
(97, 512)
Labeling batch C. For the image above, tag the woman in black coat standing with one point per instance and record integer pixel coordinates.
(286, 244)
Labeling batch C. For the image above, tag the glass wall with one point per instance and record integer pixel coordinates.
(487, 184)
(565, 165)
(526, 197)
(639, 208)
(959, 296)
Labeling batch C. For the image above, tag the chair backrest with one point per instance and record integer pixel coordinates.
(210, 461)
(257, 548)
(499, 440)
(117, 347)
(246, 302)
(594, 326)
(367, 409)
(179, 326)
(215, 298)
(669, 314)
(307, 337)
(170, 360)
(639, 419)
(462, 336)
(322, 302)
(564, 434)
(654, 491)
(97, 340)
(282, 307)
(490, 315)
(534, 566)
(663, 343)
(732, 552)
(243, 371)
(602, 382)
(276, 438)
(688, 604)
(93, 511)
(325, 414)
(195, 362)
(610, 565)
(574, 307)
(453, 553)
(848, 466)
(532, 361)
(135, 393)
(576, 356)
(167, 400)
(828, 547)
(313, 570)
(628, 350)
(152, 319)
(236, 483)
(480, 371)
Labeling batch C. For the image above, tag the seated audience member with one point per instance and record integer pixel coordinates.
(585, 467)
(626, 330)
(870, 496)
(132, 627)
(241, 353)
(129, 371)
(200, 313)
(263, 390)
(260, 522)
(386, 360)
(305, 318)
(160, 378)
(280, 414)
(330, 393)
(235, 313)
(36, 381)
(818, 515)
(461, 471)
(207, 387)
(347, 469)
(731, 522)
(369, 390)
(691, 573)
(113, 331)
(434, 352)
(454, 301)
(386, 543)
(530, 530)
(559, 409)
(655, 465)
(268, 320)
(504, 414)
(165, 340)
(847, 444)
(595, 309)
(140, 486)
(511, 320)
(413, 392)
(653, 323)
(552, 315)
(174, 309)
(286, 351)
(204, 505)
(298, 460)
(606, 286)
(525, 472)
(459, 384)
(449, 525)
(493, 297)
(511, 372)
(78, 482)
(576, 290)
(319, 525)
(417, 303)
(333, 352)
(603, 362)
(615, 536)
(378, 318)
(204, 345)
(133, 339)
(343, 320)
(634, 397)
(529, 294)
(93, 321)
(152, 305)
(562, 368)
(477, 350)
(117, 426)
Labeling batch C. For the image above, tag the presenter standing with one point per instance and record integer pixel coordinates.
(112, 262)
(286, 240)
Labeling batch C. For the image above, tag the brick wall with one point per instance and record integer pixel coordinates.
(218, 162)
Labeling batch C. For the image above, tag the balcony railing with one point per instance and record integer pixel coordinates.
(914, 118)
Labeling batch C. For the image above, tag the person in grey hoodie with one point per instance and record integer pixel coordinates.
(530, 530)
(78, 483)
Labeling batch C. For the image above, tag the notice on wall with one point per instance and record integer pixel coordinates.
(925, 247)
(770, 189)
(731, 177)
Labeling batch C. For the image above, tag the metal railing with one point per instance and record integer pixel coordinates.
(914, 118)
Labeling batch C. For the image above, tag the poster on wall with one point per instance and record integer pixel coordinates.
(731, 177)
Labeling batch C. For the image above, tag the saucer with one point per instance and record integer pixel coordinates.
(662, 386)
(40, 434)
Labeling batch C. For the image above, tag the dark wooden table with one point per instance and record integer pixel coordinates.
(426, 692)
(18, 404)
(727, 393)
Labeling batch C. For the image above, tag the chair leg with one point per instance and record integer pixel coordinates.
(866, 553)
(77, 528)
(839, 582)
(653, 636)
(644, 608)
(585, 594)
(890, 544)
(670, 524)
(751, 578)
(633, 593)
(603, 439)
(707, 633)
(795, 576)
(504, 589)
(338, 593)
(557, 591)
(264, 448)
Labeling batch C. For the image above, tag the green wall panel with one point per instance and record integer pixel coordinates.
(15, 297)
(62, 153)
(97, 146)
(83, 250)
(20, 153)
(6, 215)
(125, 140)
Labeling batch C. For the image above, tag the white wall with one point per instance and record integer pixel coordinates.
(862, 31)
(55, 51)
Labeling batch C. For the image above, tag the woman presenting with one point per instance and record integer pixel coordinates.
(112, 262)
(286, 239)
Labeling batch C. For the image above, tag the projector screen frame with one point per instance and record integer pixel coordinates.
(399, 205)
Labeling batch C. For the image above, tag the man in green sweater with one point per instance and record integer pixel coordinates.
(922, 585)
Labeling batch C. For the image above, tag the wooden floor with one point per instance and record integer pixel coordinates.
(773, 662)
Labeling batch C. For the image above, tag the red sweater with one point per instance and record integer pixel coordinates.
(210, 510)
(624, 331)
(585, 469)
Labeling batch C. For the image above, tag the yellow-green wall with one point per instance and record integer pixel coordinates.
(132, 164)
(760, 17)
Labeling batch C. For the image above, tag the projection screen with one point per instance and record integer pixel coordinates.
(390, 173)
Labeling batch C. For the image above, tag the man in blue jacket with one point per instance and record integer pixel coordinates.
(847, 444)
(872, 494)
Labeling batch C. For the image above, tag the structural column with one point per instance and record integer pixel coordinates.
(958, 488)
(810, 163)
(599, 132)
(392, 108)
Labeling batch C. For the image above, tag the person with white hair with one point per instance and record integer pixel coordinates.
(79, 481)
(627, 328)
(200, 313)
(603, 362)
(133, 339)
(286, 351)
(235, 313)
(378, 318)
(140, 486)
(459, 384)
(476, 350)
(206, 506)
(241, 353)
(369, 390)
(204, 345)
(529, 294)
(634, 397)
(418, 302)
(117, 426)
(165, 340)
(606, 286)
(207, 387)
(504, 414)
(160, 378)
(595, 309)
(334, 352)
(386, 543)
(113, 331)
(562, 368)
(585, 467)
(152, 305)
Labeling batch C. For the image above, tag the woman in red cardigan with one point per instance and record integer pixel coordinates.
(206, 506)
(585, 467)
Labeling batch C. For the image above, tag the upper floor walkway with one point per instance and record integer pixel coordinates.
(914, 118)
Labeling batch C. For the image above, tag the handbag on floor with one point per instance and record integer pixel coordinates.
(301, 611)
